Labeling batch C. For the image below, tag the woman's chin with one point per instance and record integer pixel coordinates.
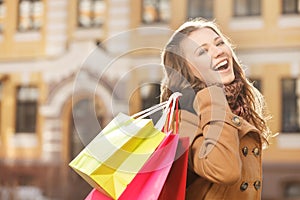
(227, 80)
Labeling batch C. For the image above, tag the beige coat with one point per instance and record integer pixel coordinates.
(225, 152)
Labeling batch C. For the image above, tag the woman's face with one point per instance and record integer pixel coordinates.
(209, 58)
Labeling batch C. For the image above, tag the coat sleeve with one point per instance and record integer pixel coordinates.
(215, 156)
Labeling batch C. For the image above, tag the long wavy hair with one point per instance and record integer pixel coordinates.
(178, 76)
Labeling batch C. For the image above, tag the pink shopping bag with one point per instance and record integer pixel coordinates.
(175, 185)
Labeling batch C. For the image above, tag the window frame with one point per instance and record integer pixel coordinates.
(92, 14)
(257, 83)
(204, 5)
(158, 12)
(23, 104)
(294, 102)
(150, 95)
(35, 21)
(295, 11)
(249, 8)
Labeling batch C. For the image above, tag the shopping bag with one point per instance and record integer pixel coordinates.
(111, 160)
(148, 183)
(175, 185)
(154, 185)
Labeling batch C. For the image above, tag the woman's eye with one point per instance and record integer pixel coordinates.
(220, 43)
(201, 52)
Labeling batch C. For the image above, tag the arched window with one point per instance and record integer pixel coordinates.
(150, 96)
(86, 123)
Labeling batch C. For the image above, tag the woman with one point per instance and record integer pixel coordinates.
(220, 108)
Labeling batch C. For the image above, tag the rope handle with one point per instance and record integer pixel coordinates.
(149, 111)
(168, 108)
(170, 117)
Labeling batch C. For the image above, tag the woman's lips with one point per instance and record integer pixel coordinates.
(221, 66)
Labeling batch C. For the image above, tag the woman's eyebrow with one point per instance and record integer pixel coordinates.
(217, 38)
(205, 44)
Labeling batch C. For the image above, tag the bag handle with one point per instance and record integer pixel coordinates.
(165, 106)
(168, 110)
(170, 117)
(149, 111)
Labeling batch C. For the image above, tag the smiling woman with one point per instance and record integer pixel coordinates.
(221, 112)
(202, 45)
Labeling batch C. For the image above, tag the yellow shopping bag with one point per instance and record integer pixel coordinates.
(113, 158)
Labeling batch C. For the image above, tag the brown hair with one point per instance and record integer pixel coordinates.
(177, 75)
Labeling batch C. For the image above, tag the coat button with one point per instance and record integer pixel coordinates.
(236, 120)
(256, 185)
(244, 186)
(245, 151)
(255, 151)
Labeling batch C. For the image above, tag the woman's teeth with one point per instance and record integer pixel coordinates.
(222, 65)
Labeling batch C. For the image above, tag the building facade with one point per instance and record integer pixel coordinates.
(68, 66)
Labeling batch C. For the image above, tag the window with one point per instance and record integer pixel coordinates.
(290, 6)
(244, 8)
(26, 109)
(91, 13)
(150, 96)
(30, 15)
(2, 15)
(156, 11)
(256, 83)
(200, 8)
(87, 121)
(290, 113)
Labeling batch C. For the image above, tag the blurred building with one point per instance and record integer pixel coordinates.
(67, 66)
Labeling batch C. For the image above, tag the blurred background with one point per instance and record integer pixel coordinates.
(45, 44)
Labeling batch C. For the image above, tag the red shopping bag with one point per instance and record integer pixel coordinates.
(175, 185)
(150, 180)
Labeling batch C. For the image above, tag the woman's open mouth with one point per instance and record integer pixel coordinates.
(222, 66)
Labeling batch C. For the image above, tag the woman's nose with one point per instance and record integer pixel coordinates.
(215, 51)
